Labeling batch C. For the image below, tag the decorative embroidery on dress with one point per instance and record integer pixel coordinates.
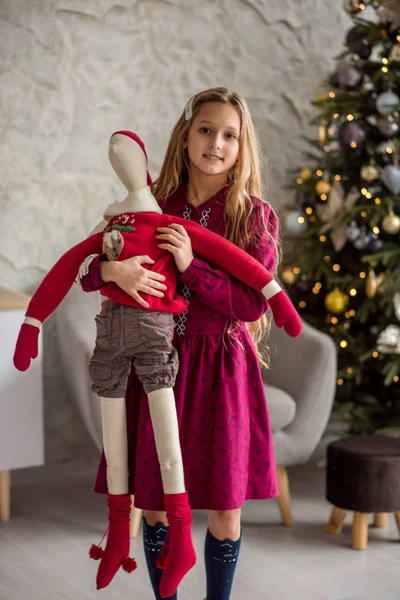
(187, 212)
(205, 215)
(180, 324)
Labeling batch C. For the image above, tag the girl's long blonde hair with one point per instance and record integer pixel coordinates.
(244, 177)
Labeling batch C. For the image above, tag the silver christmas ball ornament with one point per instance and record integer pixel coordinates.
(387, 103)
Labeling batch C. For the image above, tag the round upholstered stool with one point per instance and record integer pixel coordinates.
(363, 475)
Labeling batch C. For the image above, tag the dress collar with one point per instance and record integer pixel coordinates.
(219, 197)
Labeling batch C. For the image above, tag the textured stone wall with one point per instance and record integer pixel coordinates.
(73, 71)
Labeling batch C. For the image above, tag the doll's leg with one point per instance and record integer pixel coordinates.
(115, 444)
(166, 432)
(109, 370)
(118, 497)
(156, 365)
(178, 555)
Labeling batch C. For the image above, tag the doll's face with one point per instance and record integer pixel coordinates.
(213, 139)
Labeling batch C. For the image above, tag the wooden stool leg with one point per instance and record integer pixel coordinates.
(381, 520)
(359, 537)
(397, 517)
(136, 517)
(336, 520)
(284, 497)
(5, 495)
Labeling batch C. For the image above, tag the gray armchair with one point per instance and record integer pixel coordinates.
(300, 388)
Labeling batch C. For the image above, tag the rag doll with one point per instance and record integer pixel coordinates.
(129, 334)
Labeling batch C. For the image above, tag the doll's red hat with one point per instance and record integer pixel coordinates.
(136, 139)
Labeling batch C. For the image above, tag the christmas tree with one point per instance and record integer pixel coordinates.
(343, 262)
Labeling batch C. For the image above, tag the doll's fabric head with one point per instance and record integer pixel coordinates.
(140, 143)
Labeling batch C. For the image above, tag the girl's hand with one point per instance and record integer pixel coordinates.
(178, 243)
(131, 277)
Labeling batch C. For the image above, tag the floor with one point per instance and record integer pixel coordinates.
(56, 517)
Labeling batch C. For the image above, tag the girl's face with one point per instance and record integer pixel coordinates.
(213, 139)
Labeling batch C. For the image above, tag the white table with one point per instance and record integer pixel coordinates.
(21, 400)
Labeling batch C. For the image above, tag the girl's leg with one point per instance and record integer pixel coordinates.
(221, 552)
(155, 528)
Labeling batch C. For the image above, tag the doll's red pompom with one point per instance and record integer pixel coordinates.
(96, 552)
(162, 558)
(129, 564)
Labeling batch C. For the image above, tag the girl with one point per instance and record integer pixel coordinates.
(211, 174)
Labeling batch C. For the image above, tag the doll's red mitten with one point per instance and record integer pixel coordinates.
(27, 346)
(285, 314)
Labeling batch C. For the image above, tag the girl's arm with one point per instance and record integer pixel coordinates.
(227, 295)
(128, 274)
(92, 281)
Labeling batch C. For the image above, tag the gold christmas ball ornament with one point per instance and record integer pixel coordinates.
(369, 173)
(288, 276)
(323, 132)
(371, 285)
(391, 223)
(306, 173)
(323, 187)
(336, 301)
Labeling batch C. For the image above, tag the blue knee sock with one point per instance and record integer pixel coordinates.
(221, 560)
(153, 540)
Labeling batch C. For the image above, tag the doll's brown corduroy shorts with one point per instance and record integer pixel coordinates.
(130, 337)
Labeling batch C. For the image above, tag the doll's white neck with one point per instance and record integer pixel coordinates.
(136, 201)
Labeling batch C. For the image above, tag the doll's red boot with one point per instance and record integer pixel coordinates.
(116, 553)
(178, 555)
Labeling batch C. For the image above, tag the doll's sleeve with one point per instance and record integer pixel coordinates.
(59, 279)
(224, 293)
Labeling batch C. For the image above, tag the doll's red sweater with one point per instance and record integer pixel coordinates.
(141, 240)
